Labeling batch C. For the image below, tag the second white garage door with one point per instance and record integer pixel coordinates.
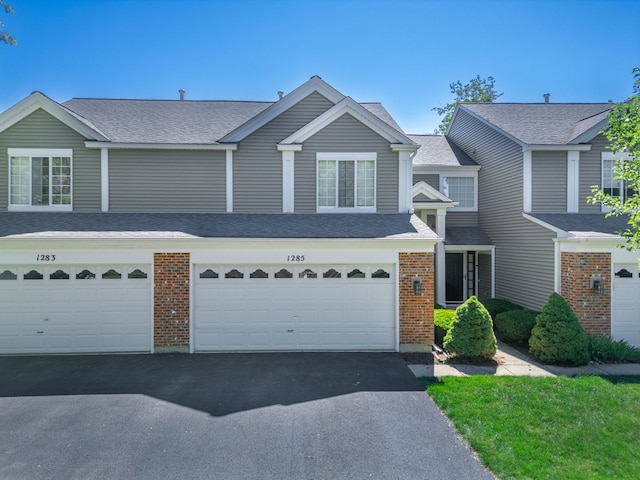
(311, 307)
(625, 304)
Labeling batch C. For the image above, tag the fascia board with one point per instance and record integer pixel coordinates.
(38, 100)
(160, 146)
(315, 84)
(464, 248)
(350, 106)
(556, 148)
(558, 231)
(450, 169)
(590, 133)
(491, 125)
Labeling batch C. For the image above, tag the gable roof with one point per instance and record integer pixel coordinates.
(213, 225)
(581, 225)
(438, 150)
(542, 123)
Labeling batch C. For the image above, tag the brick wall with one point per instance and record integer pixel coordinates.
(592, 309)
(416, 311)
(171, 301)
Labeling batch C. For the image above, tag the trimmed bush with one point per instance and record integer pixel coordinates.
(442, 320)
(498, 305)
(515, 326)
(608, 350)
(557, 336)
(471, 333)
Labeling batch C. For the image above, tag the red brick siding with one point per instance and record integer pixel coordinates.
(592, 309)
(416, 311)
(171, 299)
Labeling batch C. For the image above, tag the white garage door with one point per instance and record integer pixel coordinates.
(625, 304)
(62, 309)
(311, 307)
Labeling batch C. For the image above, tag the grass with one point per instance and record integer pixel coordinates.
(547, 428)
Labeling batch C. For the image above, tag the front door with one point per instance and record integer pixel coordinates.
(455, 277)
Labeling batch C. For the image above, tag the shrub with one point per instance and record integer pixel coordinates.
(515, 325)
(471, 333)
(498, 305)
(607, 350)
(557, 336)
(442, 320)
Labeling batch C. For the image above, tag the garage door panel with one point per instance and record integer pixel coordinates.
(302, 312)
(625, 304)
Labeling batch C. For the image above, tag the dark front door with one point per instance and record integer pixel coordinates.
(455, 277)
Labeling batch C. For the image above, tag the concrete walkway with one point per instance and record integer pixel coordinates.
(510, 362)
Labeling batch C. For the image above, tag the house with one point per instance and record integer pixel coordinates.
(194, 226)
(517, 177)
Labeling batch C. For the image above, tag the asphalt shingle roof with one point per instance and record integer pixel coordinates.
(541, 123)
(587, 225)
(466, 236)
(438, 150)
(211, 225)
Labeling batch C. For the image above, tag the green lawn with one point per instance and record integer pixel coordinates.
(547, 428)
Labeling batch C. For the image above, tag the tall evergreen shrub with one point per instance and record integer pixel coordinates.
(471, 333)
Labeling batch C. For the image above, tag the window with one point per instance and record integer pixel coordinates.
(39, 179)
(461, 190)
(611, 185)
(346, 181)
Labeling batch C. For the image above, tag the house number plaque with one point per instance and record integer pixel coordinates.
(45, 257)
(295, 258)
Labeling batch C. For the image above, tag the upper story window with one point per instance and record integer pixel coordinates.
(611, 185)
(461, 189)
(40, 179)
(346, 182)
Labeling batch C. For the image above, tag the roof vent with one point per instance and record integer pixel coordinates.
(181, 92)
(280, 94)
(546, 97)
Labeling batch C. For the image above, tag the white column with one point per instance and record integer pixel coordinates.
(229, 173)
(573, 181)
(441, 274)
(405, 181)
(104, 179)
(288, 186)
(526, 180)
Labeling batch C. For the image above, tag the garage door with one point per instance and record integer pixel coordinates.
(625, 304)
(62, 309)
(311, 307)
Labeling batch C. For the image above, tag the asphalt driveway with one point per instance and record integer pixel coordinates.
(223, 416)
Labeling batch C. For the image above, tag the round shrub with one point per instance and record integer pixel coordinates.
(442, 320)
(471, 333)
(557, 336)
(515, 326)
(498, 305)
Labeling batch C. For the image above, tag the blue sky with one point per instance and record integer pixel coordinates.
(403, 53)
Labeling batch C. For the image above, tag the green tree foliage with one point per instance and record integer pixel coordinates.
(515, 326)
(4, 35)
(557, 336)
(623, 133)
(471, 333)
(477, 90)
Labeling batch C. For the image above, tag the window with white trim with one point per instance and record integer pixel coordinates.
(461, 189)
(40, 179)
(610, 184)
(346, 181)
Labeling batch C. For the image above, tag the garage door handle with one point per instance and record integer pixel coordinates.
(40, 331)
(290, 331)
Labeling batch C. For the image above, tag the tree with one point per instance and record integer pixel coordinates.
(4, 35)
(477, 90)
(623, 133)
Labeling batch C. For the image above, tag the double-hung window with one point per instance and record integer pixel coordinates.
(346, 182)
(461, 189)
(40, 179)
(610, 184)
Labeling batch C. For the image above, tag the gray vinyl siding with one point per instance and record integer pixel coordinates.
(257, 165)
(346, 134)
(524, 251)
(41, 130)
(432, 179)
(461, 219)
(484, 275)
(591, 172)
(549, 181)
(167, 181)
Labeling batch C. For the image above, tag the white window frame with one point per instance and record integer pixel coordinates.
(38, 152)
(443, 189)
(353, 157)
(610, 159)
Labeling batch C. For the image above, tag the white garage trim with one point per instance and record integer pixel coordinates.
(76, 308)
(295, 307)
